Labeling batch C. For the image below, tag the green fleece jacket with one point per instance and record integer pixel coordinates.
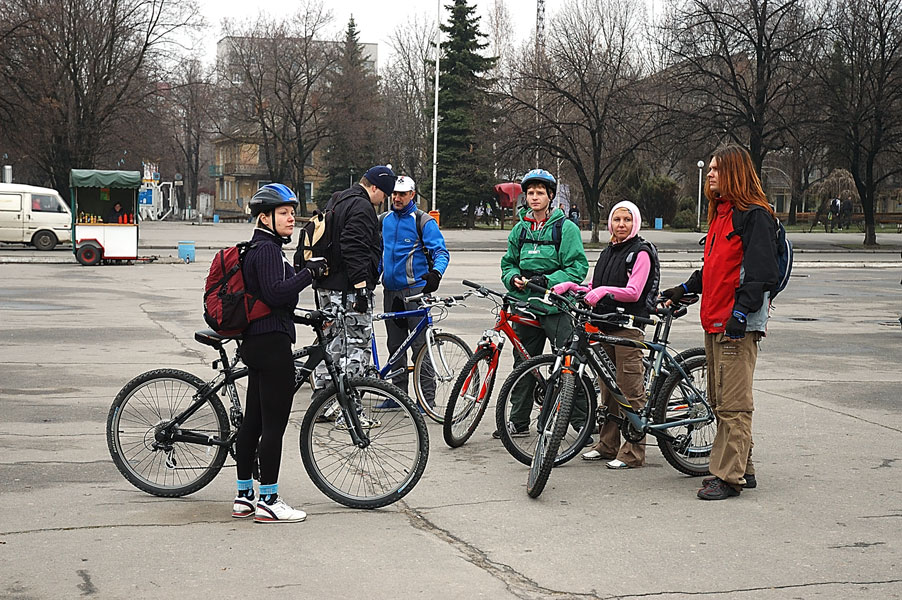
(567, 263)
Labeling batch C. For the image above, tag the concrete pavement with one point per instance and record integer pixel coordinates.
(823, 523)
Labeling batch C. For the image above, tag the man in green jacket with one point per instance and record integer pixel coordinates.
(546, 248)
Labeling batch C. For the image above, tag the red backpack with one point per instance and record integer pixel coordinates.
(228, 306)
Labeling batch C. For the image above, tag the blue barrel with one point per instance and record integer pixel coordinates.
(216, 218)
(659, 223)
(186, 251)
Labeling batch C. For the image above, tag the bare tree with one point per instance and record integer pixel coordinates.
(189, 123)
(591, 112)
(733, 65)
(862, 88)
(274, 89)
(70, 72)
(407, 91)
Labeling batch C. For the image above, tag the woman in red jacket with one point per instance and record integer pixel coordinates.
(738, 276)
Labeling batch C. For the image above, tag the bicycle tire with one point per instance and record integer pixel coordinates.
(149, 400)
(679, 358)
(452, 354)
(694, 458)
(469, 398)
(522, 448)
(371, 477)
(549, 439)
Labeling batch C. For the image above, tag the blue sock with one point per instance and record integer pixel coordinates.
(269, 493)
(245, 488)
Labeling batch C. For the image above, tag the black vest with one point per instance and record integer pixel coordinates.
(614, 267)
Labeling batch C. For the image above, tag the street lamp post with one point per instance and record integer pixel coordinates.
(698, 218)
(438, 53)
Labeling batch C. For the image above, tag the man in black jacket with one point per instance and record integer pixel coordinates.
(355, 249)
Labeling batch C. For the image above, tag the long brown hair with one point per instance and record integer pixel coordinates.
(737, 180)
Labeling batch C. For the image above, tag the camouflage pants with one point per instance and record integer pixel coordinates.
(349, 343)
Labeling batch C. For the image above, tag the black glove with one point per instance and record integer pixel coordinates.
(317, 266)
(362, 301)
(539, 280)
(675, 293)
(736, 326)
(432, 279)
(299, 257)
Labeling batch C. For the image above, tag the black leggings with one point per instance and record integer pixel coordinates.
(270, 392)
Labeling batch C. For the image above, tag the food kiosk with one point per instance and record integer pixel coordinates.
(100, 234)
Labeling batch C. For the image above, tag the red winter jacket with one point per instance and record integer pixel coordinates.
(738, 269)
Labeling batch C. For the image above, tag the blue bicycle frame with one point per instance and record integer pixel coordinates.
(390, 370)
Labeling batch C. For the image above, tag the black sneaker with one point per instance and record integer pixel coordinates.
(750, 481)
(718, 489)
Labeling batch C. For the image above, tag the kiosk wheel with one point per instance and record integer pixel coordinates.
(89, 255)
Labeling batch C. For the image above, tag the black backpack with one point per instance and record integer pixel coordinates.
(422, 218)
(785, 253)
(654, 274)
(556, 233)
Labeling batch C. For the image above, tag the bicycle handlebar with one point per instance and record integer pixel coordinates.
(614, 318)
(428, 301)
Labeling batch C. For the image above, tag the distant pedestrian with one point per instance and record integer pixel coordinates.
(739, 273)
(833, 217)
(574, 214)
(845, 213)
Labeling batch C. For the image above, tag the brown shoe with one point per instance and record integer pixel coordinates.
(717, 490)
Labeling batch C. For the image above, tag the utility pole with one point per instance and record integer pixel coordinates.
(540, 53)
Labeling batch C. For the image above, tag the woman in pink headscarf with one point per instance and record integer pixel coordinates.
(627, 271)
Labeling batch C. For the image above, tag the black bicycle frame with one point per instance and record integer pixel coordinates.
(601, 364)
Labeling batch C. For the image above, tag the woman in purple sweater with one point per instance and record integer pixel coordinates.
(266, 350)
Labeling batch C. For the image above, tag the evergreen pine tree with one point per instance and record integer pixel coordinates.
(352, 117)
(464, 175)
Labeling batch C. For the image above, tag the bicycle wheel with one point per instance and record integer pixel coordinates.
(690, 452)
(383, 472)
(528, 382)
(432, 383)
(469, 398)
(148, 402)
(665, 373)
(557, 420)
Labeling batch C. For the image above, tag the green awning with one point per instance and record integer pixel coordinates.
(79, 178)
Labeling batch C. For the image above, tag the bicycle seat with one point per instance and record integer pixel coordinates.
(209, 337)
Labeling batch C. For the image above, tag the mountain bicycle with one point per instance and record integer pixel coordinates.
(532, 377)
(168, 432)
(472, 391)
(688, 451)
(437, 363)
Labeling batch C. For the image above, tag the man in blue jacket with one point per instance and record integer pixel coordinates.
(414, 258)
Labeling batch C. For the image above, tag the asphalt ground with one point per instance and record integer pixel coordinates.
(824, 521)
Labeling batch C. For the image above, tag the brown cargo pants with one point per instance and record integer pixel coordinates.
(731, 369)
(631, 381)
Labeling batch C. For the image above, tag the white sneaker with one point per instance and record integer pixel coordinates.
(243, 508)
(277, 512)
(365, 422)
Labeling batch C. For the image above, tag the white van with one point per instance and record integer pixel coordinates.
(33, 215)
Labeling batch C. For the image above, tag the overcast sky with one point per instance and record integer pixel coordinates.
(376, 20)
